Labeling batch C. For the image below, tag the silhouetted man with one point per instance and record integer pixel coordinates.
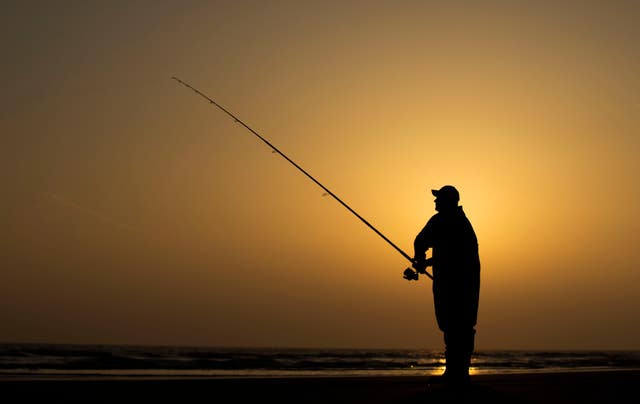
(456, 280)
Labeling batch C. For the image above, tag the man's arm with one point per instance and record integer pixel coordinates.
(421, 244)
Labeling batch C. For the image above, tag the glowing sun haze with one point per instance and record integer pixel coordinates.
(135, 212)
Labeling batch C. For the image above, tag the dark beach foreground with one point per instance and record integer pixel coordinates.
(548, 388)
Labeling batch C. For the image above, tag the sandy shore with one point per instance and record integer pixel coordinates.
(548, 388)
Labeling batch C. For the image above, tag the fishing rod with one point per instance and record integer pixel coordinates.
(409, 273)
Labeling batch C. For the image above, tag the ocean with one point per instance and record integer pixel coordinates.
(179, 361)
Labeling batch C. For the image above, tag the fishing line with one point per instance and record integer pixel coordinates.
(276, 150)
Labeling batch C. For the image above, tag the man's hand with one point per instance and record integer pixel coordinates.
(420, 265)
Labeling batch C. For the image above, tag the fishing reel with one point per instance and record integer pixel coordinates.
(419, 267)
(410, 275)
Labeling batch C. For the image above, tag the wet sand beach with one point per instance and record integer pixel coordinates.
(548, 388)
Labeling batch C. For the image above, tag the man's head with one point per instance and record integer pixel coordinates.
(447, 197)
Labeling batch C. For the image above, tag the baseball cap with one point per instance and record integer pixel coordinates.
(447, 192)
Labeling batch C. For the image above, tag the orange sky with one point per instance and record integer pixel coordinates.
(134, 212)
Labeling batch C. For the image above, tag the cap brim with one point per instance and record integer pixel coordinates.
(434, 192)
